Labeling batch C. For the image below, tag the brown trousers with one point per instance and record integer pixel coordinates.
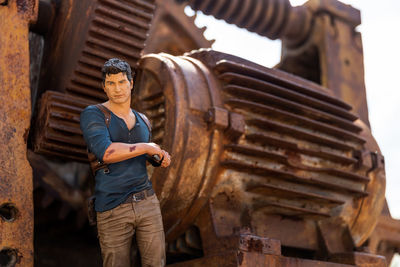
(117, 226)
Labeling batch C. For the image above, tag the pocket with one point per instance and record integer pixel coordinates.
(154, 199)
(103, 215)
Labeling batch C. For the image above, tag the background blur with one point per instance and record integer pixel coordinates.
(380, 31)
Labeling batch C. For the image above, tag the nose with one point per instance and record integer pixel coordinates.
(118, 87)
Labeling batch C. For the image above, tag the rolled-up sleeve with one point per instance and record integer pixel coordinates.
(95, 131)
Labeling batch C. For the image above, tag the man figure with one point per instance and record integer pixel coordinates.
(125, 201)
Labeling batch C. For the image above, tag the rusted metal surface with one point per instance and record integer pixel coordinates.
(385, 240)
(173, 32)
(252, 243)
(246, 259)
(360, 259)
(46, 16)
(253, 148)
(57, 128)
(16, 207)
(78, 48)
(333, 53)
(258, 148)
(251, 251)
(271, 18)
(320, 42)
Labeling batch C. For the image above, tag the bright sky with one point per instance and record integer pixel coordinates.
(380, 31)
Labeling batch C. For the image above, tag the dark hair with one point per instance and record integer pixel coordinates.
(114, 66)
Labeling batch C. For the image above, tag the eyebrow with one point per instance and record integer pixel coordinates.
(111, 82)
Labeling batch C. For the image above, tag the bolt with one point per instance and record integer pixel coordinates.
(209, 116)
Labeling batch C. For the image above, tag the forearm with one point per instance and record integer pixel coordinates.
(117, 152)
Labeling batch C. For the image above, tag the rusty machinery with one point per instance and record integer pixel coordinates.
(16, 205)
(260, 151)
(269, 168)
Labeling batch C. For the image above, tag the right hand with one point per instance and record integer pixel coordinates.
(167, 159)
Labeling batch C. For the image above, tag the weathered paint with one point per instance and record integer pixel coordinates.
(332, 54)
(242, 257)
(173, 32)
(211, 109)
(260, 149)
(271, 18)
(16, 222)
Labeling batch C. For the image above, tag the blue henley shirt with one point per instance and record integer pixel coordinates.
(125, 177)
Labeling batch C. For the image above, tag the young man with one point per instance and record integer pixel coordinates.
(125, 201)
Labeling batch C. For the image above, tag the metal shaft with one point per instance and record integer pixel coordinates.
(271, 18)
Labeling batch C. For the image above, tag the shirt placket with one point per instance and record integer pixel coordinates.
(130, 136)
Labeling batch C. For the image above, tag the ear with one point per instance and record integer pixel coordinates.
(131, 81)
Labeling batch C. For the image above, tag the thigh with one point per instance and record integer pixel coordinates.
(150, 234)
(115, 230)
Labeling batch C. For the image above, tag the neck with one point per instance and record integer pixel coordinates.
(122, 108)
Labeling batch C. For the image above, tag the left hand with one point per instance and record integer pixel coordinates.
(167, 159)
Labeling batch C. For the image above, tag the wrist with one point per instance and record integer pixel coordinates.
(149, 149)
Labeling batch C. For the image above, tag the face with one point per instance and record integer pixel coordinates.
(118, 88)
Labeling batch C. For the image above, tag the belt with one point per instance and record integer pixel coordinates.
(139, 196)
